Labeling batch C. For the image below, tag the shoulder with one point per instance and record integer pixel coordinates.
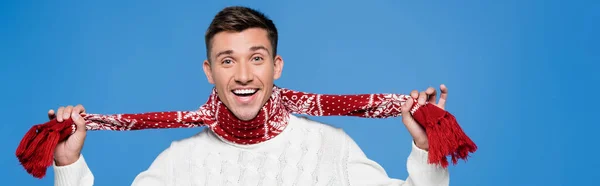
(203, 139)
(332, 135)
(328, 133)
(305, 123)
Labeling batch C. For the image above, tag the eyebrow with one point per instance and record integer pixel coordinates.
(253, 48)
(226, 52)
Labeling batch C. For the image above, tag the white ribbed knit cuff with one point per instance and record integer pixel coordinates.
(418, 160)
(423, 172)
(419, 155)
(72, 175)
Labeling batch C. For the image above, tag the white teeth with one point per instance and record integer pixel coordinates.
(244, 91)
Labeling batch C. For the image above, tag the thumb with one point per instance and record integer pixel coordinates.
(406, 107)
(79, 122)
(415, 130)
(410, 123)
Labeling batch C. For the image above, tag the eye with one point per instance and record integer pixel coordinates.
(227, 61)
(257, 58)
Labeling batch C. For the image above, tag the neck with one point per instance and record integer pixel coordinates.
(268, 123)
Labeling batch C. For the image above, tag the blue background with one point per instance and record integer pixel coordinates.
(522, 76)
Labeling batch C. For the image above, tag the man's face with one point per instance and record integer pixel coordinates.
(242, 68)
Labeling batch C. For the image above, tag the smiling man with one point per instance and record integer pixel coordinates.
(242, 63)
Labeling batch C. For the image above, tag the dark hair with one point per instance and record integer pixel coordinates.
(238, 19)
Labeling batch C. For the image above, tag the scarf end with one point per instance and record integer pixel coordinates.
(36, 150)
(445, 136)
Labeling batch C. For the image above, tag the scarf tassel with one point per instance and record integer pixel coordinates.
(36, 149)
(445, 136)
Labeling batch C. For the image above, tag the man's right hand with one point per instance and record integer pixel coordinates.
(68, 151)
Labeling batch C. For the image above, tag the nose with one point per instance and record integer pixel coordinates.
(243, 74)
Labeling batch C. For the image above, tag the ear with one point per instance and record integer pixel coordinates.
(278, 68)
(208, 71)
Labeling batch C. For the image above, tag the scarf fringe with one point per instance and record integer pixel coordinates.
(444, 134)
(36, 150)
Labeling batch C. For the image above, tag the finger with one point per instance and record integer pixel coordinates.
(59, 114)
(79, 109)
(67, 112)
(414, 94)
(51, 115)
(443, 96)
(422, 98)
(432, 95)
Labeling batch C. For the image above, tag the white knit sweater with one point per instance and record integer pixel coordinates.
(305, 153)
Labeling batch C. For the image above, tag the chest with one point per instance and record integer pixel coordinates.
(300, 162)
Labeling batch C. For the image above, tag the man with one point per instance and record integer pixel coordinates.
(242, 63)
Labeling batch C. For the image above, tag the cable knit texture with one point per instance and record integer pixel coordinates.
(305, 153)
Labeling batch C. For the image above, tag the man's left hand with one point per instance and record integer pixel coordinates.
(414, 128)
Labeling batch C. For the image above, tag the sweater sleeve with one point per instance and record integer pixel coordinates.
(79, 174)
(364, 171)
(159, 172)
(75, 174)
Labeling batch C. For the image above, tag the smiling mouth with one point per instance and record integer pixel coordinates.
(244, 92)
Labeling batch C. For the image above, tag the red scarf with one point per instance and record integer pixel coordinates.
(446, 138)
